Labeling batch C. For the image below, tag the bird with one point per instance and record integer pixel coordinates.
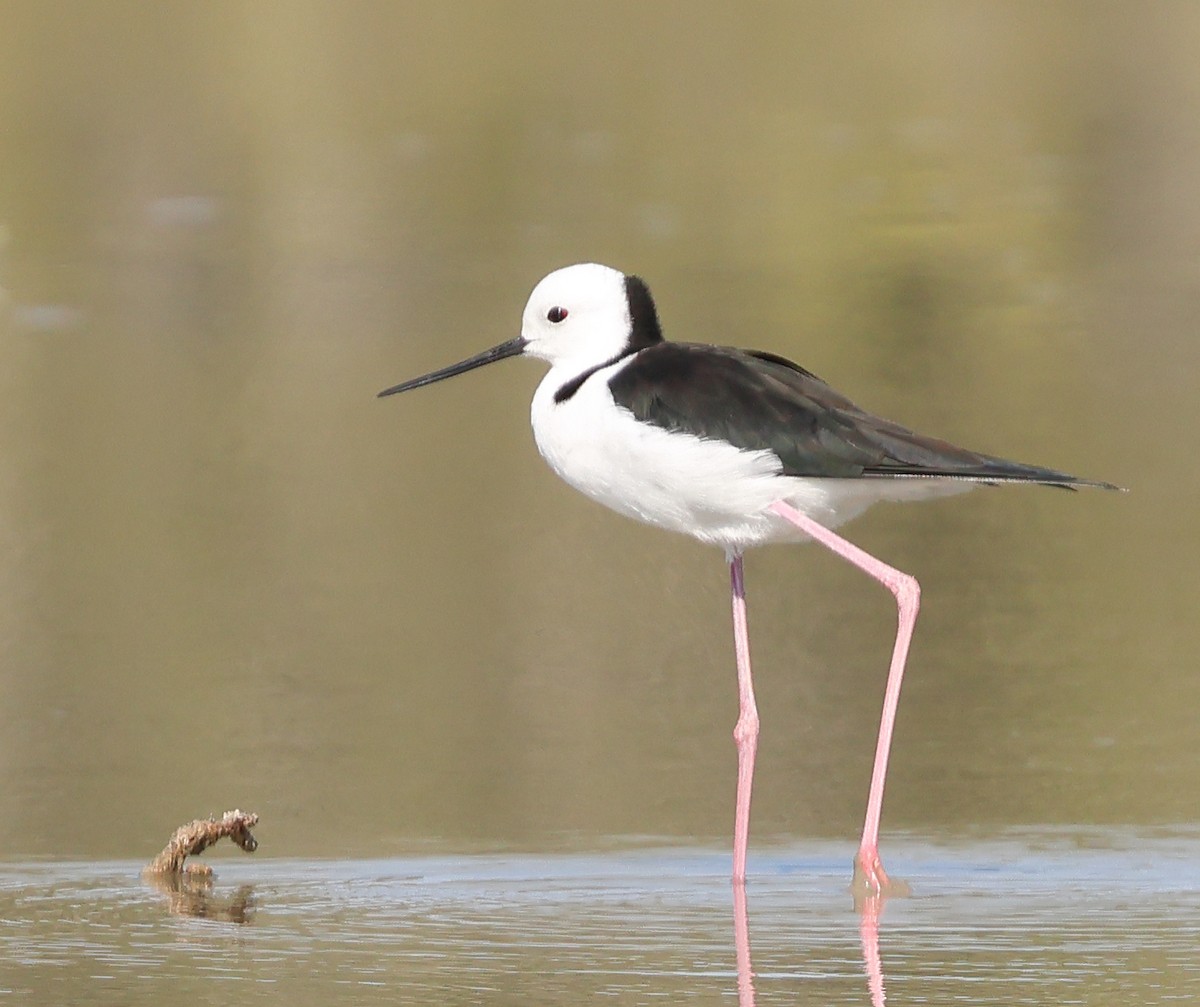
(736, 448)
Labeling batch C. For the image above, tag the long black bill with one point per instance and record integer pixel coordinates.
(510, 349)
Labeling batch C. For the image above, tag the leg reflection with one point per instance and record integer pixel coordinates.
(741, 943)
(870, 909)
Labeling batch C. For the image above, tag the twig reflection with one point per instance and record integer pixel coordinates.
(192, 895)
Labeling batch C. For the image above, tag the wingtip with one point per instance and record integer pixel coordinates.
(1101, 485)
(1074, 484)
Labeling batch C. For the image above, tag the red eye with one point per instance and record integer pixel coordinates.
(556, 315)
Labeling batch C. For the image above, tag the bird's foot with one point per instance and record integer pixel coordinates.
(871, 880)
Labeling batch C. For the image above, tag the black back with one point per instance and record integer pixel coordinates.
(760, 401)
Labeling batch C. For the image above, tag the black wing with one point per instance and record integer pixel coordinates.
(763, 402)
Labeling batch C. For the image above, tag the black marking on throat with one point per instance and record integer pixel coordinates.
(644, 331)
(571, 387)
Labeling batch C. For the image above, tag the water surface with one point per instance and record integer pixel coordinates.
(1088, 917)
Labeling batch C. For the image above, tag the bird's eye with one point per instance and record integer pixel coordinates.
(556, 314)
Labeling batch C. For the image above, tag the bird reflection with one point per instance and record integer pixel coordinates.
(741, 943)
(869, 909)
(192, 895)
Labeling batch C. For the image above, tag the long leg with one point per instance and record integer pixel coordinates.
(745, 734)
(869, 872)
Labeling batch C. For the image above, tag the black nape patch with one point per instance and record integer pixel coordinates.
(644, 329)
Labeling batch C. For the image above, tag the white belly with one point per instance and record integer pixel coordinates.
(705, 488)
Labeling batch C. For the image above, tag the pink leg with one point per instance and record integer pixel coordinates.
(745, 734)
(868, 870)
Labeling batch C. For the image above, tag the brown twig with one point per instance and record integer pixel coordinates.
(197, 836)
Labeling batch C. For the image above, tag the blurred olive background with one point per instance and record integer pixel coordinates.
(230, 577)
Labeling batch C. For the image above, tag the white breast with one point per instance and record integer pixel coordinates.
(705, 488)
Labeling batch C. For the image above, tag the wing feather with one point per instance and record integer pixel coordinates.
(759, 401)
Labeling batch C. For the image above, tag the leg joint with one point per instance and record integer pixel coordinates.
(908, 589)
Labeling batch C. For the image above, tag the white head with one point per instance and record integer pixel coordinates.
(577, 317)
